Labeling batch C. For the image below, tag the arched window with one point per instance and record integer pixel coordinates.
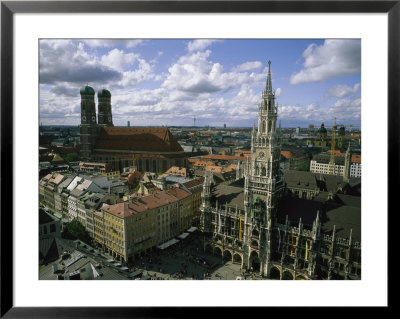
(263, 127)
(263, 171)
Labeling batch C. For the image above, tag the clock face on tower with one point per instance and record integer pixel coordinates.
(261, 155)
(109, 119)
(84, 118)
(93, 118)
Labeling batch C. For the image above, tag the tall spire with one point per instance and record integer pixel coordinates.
(268, 88)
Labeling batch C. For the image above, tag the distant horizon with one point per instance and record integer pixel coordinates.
(171, 82)
(205, 126)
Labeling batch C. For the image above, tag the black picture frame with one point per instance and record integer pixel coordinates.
(9, 8)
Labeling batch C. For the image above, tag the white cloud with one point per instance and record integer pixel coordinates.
(251, 65)
(113, 42)
(118, 59)
(278, 92)
(143, 73)
(333, 58)
(201, 44)
(307, 112)
(67, 61)
(195, 74)
(346, 109)
(341, 91)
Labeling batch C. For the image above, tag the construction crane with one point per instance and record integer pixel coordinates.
(332, 158)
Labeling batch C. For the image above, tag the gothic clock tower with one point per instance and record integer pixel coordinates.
(263, 183)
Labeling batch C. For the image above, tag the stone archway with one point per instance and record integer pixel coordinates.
(287, 275)
(254, 244)
(218, 251)
(237, 259)
(275, 273)
(254, 261)
(255, 234)
(227, 255)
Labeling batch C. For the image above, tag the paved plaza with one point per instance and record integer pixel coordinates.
(188, 261)
(185, 260)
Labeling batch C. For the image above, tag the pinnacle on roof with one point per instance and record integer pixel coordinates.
(268, 88)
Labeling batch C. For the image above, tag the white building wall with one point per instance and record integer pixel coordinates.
(355, 170)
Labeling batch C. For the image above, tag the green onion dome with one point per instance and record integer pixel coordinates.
(103, 93)
(87, 90)
(322, 129)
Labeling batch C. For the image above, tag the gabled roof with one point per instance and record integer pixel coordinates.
(56, 178)
(231, 193)
(44, 218)
(356, 158)
(194, 183)
(343, 212)
(65, 183)
(144, 139)
(300, 179)
(51, 248)
(143, 203)
(292, 154)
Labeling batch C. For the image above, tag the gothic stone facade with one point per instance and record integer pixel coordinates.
(245, 223)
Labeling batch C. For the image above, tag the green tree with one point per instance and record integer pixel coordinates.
(305, 167)
(71, 157)
(75, 230)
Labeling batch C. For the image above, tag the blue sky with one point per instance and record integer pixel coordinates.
(168, 82)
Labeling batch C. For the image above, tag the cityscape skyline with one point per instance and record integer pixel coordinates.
(169, 82)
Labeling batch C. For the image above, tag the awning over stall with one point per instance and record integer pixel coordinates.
(183, 235)
(168, 243)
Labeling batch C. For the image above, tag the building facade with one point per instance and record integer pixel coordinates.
(126, 230)
(148, 149)
(253, 223)
(347, 166)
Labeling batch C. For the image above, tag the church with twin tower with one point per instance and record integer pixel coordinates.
(147, 149)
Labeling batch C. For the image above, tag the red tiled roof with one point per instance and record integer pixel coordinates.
(143, 203)
(178, 192)
(147, 139)
(175, 170)
(141, 155)
(56, 178)
(244, 152)
(203, 163)
(194, 183)
(287, 154)
(134, 176)
(355, 158)
(226, 157)
(292, 154)
(219, 169)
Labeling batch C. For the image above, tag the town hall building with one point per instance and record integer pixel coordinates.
(255, 222)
